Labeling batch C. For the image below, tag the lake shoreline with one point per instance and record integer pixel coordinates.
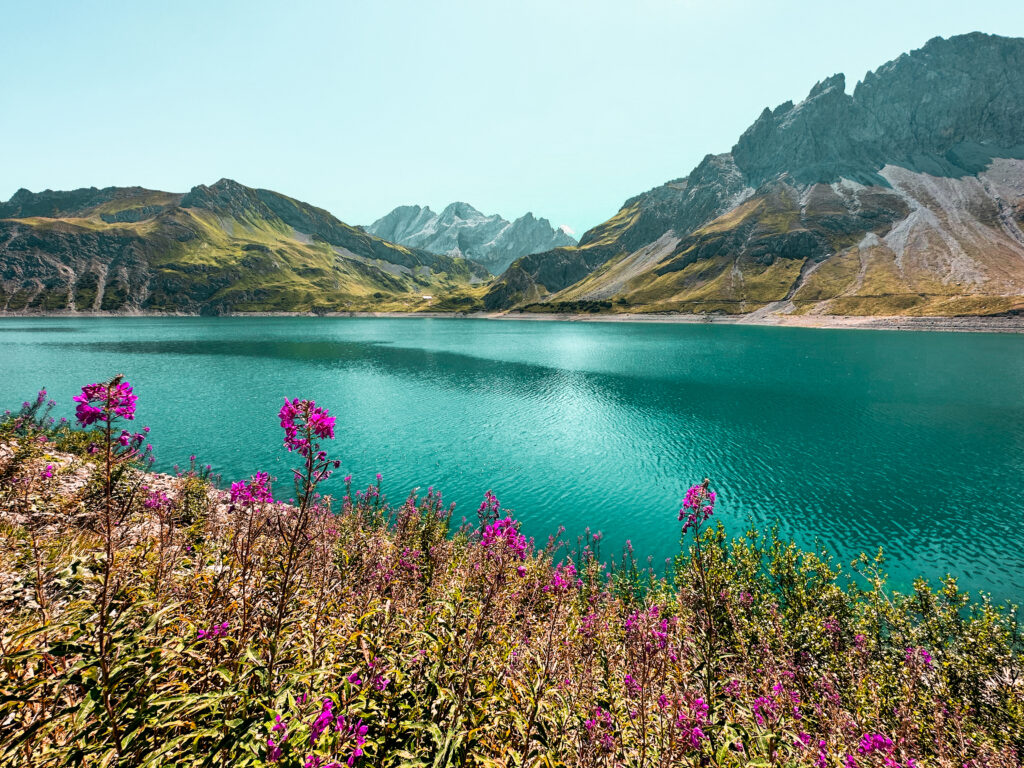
(950, 324)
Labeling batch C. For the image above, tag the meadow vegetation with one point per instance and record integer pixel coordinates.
(156, 620)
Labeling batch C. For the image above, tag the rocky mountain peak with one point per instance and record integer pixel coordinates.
(23, 194)
(226, 196)
(460, 229)
(913, 110)
(835, 83)
(460, 209)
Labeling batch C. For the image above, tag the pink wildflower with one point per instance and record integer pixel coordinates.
(255, 490)
(302, 420)
(102, 402)
(701, 504)
(563, 579)
(504, 532)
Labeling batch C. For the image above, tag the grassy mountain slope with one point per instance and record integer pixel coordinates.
(222, 248)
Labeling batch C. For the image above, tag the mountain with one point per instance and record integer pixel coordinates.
(904, 197)
(217, 249)
(461, 230)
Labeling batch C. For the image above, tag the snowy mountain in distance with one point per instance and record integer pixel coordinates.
(462, 230)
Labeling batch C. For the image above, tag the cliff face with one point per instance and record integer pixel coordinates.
(906, 196)
(946, 110)
(219, 248)
(461, 230)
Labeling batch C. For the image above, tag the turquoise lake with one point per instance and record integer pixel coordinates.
(913, 441)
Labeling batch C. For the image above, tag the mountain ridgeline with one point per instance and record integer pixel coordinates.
(217, 249)
(904, 197)
(461, 230)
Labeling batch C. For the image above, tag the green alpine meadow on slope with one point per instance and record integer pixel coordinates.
(215, 250)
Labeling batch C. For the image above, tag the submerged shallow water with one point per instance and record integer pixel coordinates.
(854, 439)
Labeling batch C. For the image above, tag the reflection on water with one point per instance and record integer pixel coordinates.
(911, 441)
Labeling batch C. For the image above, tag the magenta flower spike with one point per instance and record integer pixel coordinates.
(302, 420)
(104, 402)
(255, 490)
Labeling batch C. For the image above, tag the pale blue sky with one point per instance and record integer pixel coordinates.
(562, 108)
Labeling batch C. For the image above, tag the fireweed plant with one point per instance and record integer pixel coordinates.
(155, 620)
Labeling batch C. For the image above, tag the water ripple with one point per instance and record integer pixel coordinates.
(851, 440)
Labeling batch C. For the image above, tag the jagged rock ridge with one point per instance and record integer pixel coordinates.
(906, 196)
(462, 230)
